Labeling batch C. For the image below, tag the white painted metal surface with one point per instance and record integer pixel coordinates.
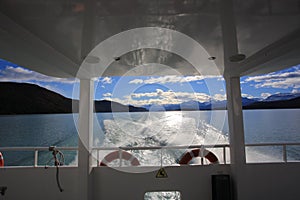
(57, 35)
(85, 130)
(53, 37)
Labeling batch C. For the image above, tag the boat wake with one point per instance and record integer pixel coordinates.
(166, 130)
(159, 130)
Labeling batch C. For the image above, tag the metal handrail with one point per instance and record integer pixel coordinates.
(283, 145)
(162, 147)
(36, 151)
(35, 148)
(274, 144)
(97, 149)
(223, 146)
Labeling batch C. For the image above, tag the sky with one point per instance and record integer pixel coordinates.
(159, 90)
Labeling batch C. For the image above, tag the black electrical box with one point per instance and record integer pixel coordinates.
(221, 187)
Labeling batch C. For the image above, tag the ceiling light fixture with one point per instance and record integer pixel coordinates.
(117, 58)
(237, 57)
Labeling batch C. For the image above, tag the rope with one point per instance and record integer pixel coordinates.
(57, 163)
(57, 179)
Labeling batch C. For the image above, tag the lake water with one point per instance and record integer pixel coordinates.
(148, 129)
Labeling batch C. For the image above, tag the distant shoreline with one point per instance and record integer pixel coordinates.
(3, 115)
(24, 98)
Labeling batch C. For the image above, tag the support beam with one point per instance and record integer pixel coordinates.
(21, 47)
(88, 31)
(85, 127)
(229, 35)
(281, 47)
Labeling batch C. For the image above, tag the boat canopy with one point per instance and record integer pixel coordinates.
(55, 37)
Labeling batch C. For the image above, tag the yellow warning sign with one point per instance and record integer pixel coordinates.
(161, 173)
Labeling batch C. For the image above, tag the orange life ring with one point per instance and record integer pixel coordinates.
(188, 156)
(115, 155)
(1, 160)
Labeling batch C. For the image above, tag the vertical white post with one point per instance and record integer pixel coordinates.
(284, 154)
(235, 121)
(233, 89)
(85, 128)
(86, 105)
(236, 133)
(234, 100)
(224, 155)
(36, 156)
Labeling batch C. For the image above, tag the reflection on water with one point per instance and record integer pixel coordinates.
(162, 195)
(150, 129)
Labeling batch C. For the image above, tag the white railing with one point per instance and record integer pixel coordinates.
(282, 145)
(36, 151)
(161, 148)
(223, 160)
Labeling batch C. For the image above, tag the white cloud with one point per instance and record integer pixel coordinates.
(248, 96)
(136, 81)
(265, 95)
(284, 83)
(170, 79)
(272, 76)
(147, 94)
(107, 94)
(295, 91)
(159, 92)
(141, 102)
(19, 74)
(219, 97)
(106, 80)
(165, 97)
(170, 95)
(19, 70)
(277, 80)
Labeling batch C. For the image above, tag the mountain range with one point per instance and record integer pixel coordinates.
(25, 98)
(284, 100)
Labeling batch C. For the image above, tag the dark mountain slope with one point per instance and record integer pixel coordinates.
(291, 103)
(24, 98)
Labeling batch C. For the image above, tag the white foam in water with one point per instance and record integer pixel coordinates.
(168, 129)
(263, 154)
(154, 131)
(171, 195)
(74, 162)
